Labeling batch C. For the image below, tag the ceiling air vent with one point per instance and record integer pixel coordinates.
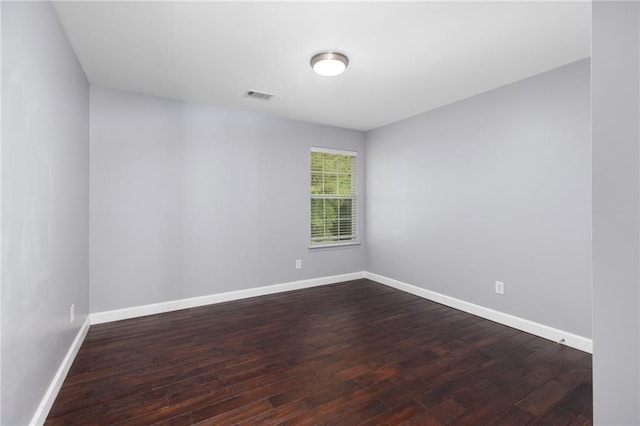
(263, 96)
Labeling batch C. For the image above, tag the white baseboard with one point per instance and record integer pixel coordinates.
(541, 330)
(42, 412)
(174, 305)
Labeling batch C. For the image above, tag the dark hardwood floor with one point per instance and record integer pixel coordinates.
(344, 354)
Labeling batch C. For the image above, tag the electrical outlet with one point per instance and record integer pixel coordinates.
(72, 313)
(298, 263)
(499, 287)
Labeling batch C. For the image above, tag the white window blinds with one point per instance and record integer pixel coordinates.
(333, 196)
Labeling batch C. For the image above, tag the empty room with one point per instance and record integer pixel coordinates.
(348, 213)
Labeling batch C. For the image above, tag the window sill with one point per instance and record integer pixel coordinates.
(334, 245)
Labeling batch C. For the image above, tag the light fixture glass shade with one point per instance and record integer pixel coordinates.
(329, 64)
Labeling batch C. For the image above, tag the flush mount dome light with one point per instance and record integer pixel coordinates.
(329, 63)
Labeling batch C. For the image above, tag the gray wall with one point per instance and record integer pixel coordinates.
(190, 200)
(45, 199)
(616, 213)
(495, 187)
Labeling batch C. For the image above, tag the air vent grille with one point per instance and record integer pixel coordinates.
(263, 96)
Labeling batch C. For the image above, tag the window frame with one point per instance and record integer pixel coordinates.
(336, 242)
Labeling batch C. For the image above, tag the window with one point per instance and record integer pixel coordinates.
(333, 197)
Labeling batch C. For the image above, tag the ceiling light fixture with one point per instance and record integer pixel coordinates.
(329, 64)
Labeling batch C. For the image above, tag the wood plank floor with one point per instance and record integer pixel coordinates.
(344, 354)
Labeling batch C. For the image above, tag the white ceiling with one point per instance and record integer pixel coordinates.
(405, 58)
